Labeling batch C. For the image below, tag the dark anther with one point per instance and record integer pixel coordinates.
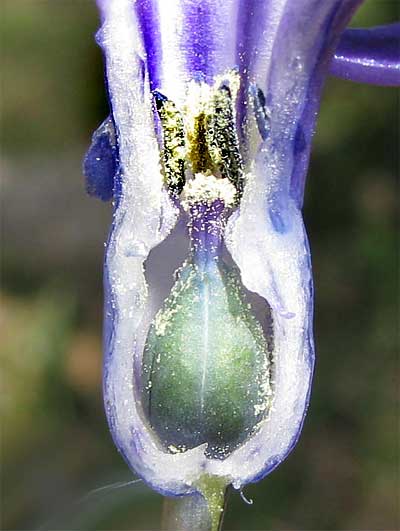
(173, 155)
(159, 98)
(225, 88)
(222, 138)
(260, 113)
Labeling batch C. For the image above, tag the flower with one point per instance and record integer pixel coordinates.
(225, 95)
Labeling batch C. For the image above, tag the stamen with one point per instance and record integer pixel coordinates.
(174, 152)
(222, 138)
(260, 113)
(202, 137)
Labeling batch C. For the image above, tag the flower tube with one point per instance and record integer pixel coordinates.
(213, 107)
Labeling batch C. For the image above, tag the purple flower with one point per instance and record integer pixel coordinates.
(226, 95)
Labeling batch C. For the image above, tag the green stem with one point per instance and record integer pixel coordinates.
(197, 512)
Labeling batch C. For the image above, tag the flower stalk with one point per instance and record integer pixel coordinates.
(198, 512)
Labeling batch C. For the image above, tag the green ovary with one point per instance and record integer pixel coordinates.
(206, 366)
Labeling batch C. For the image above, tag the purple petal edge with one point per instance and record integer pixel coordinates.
(334, 26)
(369, 56)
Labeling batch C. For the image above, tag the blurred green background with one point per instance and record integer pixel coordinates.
(56, 448)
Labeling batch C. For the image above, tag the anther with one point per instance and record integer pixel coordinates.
(174, 143)
(260, 113)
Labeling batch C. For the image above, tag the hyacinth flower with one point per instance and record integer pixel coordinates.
(213, 107)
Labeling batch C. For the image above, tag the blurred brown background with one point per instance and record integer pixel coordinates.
(56, 448)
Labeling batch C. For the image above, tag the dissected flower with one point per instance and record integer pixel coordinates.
(213, 107)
